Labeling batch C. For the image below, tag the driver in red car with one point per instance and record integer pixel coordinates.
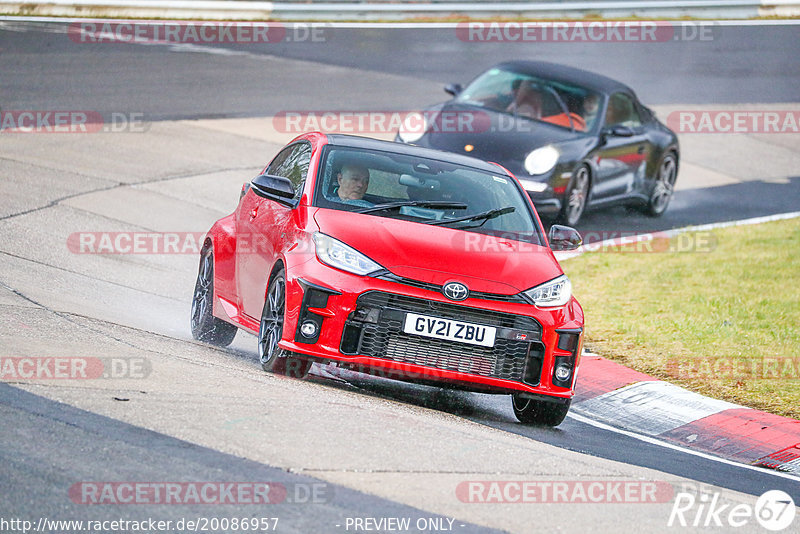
(353, 183)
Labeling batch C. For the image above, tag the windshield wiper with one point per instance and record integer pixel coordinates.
(420, 203)
(484, 216)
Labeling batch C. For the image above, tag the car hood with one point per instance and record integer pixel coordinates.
(494, 136)
(438, 255)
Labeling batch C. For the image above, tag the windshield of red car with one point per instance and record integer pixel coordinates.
(425, 191)
(564, 105)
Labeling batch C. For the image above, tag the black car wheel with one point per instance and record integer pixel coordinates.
(206, 327)
(537, 412)
(576, 197)
(273, 358)
(664, 186)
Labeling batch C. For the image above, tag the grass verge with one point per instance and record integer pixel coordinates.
(721, 319)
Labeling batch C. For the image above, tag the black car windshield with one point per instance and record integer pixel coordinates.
(565, 105)
(425, 191)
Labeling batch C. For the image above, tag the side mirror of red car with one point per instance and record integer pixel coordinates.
(272, 187)
(564, 238)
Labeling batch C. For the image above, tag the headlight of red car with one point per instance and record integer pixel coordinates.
(556, 292)
(334, 253)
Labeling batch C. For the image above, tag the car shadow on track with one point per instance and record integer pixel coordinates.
(445, 400)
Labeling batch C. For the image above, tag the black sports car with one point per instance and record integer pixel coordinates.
(573, 138)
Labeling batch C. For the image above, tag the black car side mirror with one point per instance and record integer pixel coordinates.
(618, 130)
(564, 238)
(275, 188)
(453, 88)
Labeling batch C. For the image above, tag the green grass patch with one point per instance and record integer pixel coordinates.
(723, 321)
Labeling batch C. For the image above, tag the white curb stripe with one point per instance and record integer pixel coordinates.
(651, 407)
(667, 445)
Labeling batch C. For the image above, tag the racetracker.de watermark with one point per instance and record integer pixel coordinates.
(73, 368)
(151, 242)
(564, 491)
(599, 31)
(382, 122)
(649, 242)
(194, 32)
(44, 121)
(597, 241)
(203, 492)
(727, 368)
(166, 243)
(114, 243)
(735, 121)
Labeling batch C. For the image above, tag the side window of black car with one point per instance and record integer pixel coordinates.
(644, 112)
(292, 163)
(622, 111)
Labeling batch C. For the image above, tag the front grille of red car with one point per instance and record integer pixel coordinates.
(391, 277)
(375, 329)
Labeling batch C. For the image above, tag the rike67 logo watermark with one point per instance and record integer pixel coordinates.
(774, 510)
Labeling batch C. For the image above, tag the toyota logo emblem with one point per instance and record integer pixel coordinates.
(455, 291)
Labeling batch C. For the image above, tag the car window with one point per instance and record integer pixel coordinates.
(522, 95)
(622, 111)
(425, 191)
(292, 163)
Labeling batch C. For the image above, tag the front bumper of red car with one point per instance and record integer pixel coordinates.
(360, 323)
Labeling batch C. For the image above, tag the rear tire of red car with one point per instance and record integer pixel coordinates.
(576, 197)
(273, 358)
(206, 327)
(536, 412)
(664, 186)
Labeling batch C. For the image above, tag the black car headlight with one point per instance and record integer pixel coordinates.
(413, 127)
(542, 160)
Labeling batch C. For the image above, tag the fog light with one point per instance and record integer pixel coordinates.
(308, 329)
(563, 372)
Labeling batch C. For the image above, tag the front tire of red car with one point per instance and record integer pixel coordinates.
(537, 412)
(206, 327)
(273, 358)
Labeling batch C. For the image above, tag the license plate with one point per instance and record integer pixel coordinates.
(458, 331)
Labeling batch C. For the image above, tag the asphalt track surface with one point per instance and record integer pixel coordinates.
(404, 69)
(738, 65)
(89, 444)
(400, 69)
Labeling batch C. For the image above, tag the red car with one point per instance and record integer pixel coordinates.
(400, 261)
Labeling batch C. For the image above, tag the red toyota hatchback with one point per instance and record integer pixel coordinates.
(396, 260)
